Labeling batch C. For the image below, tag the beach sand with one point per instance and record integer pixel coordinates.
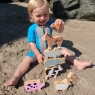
(79, 38)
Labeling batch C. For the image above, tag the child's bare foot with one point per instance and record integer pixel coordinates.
(83, 65)
(12, 82)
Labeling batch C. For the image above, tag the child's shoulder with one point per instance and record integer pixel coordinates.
(33, 26)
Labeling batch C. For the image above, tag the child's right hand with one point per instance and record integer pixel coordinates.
(40, 58)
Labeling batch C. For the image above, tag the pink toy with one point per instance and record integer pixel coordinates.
(31, 85)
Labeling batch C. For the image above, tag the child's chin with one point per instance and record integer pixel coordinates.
(42, 24)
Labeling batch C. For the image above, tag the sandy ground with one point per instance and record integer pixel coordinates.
(79, 38)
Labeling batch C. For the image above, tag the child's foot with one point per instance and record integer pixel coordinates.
(12, 82)
(83, 65)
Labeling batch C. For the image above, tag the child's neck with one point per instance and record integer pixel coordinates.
(43, 26)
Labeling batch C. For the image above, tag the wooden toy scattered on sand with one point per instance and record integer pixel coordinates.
(62, 85)
(72, 77)
(52, 63)
(52, 72)
(31, 85)
(52, 40)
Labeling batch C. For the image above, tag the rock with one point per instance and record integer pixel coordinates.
(64, 8)
(87, 10)
(78, 9)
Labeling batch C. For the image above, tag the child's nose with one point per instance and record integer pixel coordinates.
(42, 17)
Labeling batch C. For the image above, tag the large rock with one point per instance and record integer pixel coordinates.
(79, 9)
(65, 8)
(87, 10)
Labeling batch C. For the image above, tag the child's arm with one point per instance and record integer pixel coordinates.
(58, 25)
(39, 56)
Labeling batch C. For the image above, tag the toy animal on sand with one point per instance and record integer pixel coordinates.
(62, 85)
(72, 77)
(52, 72)
(31, 85)
(52, 40)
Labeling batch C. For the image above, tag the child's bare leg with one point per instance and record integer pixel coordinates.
(80, 65)
(21, 69)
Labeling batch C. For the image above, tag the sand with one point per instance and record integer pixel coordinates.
(79, 38)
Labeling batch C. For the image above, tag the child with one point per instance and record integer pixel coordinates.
(39, 13)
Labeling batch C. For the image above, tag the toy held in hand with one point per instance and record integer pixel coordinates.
(55, 27)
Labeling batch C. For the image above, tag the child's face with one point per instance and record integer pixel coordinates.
(41, 15)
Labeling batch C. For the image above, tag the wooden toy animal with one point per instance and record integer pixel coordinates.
(61, 85)
(52, 62)
(52, 72)
(72, 77)
(52, 40)
(55, 26)
(49, 74)
(31, 85)
(52, 54)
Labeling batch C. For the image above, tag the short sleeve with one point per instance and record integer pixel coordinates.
(31, 34)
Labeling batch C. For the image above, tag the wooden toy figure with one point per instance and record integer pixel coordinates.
(52, 72)
(49, 73)
(72, 77)
(55, 27)
(61, 85)
(52, 58)
(52, 62)
(31, 85)
(54, 54)
(52, 40)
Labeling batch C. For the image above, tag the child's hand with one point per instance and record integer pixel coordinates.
(40, 58)
(58, 25)
(59, 22)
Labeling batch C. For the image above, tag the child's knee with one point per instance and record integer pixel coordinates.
(65, 52)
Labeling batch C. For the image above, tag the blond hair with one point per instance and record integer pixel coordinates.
(35, 4)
